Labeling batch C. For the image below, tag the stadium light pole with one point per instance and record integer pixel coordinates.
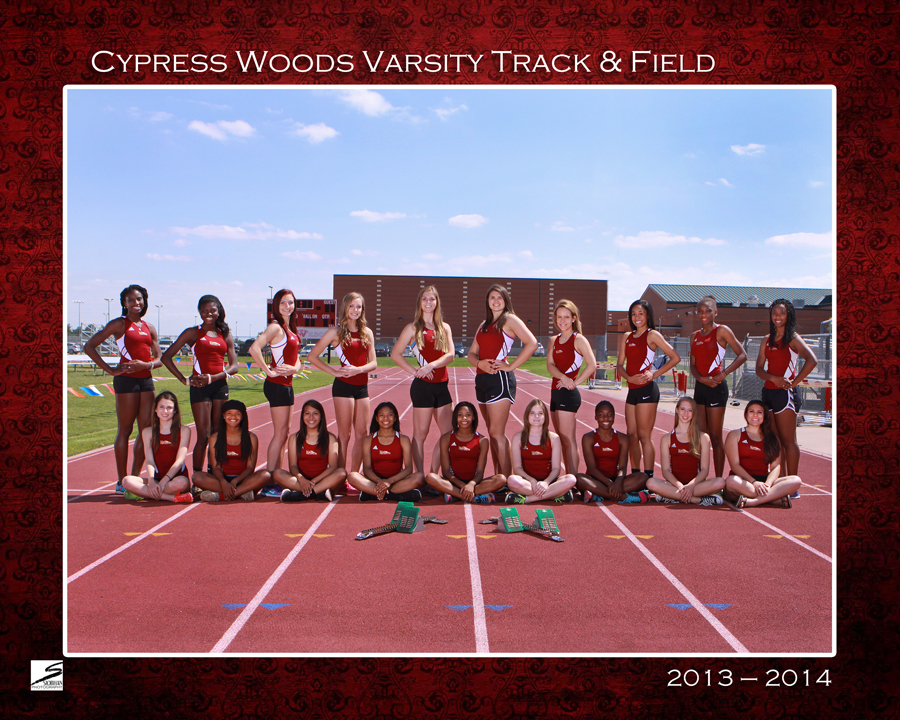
(270, 292)
(107, 309)
(158, 325)
(79, 303)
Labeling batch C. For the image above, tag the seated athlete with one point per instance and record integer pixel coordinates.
(313, 459)
(536, 460)
(387, 461)
(751, 453)
(463, 453)
(684, 458)
(232, 459)
(165, 449)
(605, 453)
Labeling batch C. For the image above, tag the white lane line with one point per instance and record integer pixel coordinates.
(784, 534)
(242, 619)
(689, 596)
(481, 636)
(129, 544)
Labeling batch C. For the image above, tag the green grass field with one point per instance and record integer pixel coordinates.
(92, 420)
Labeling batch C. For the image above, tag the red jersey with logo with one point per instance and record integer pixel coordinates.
(464, 456)
(164, 457)
(353, 352)
(708, 354)
(209, 353)
(606, 455)
(311, 462)
(684, 466)
(752, 455)
(493, 345)
(537, 460)
(638, 354)
(566, 358)
(234, 464)
(429, 353)
(780, 360)
(284, 352)
(387, 460)
(135, 344)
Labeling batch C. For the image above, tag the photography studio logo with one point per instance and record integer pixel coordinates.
(46, 674)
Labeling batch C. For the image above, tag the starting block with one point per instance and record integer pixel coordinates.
(406, 519)
(509, 522)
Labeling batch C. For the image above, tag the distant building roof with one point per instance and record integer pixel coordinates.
(727, 294)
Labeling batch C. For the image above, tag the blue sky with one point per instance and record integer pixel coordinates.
(227, 191)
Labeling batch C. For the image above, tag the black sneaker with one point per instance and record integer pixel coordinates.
(365, 497)
(430, 491)
(292, 496)
(412, 496)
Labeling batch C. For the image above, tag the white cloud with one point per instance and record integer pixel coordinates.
(181, 242)
(301, 255)
(364, 253)
(471, 261)
(815, 183)
(372, 216)
(526, 255)
(467, 221)
(316, 133)
(169, 258)
(751, 149)
(802, 240)
(367, 102)
(724, 182)
(710, 183)
(237, 283)
(258, 231)
(660, 238)
(447, 113)
(560, 226)
(222, 129)
(149, 115)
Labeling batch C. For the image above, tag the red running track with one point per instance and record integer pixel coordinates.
(264, 578)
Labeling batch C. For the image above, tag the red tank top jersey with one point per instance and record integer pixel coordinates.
(492, 345)
(356, 354)
(708, 354)
(638, 354)
(164, 456)
(135, 344)
(284, 353)
(311, 462)
(537, 460)
(780, 361)
(606, 455)
(684, 466)
(566, 358)
(209, 353)
(464, 456)
(387, 460)
(752, 455)
(429, 353)
(234, 463)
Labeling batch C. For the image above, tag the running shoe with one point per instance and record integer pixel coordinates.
(667, 501)
(448, 498)
(430, 491)
(566, 497)
(209, 496)
(635, 498)
(485, 499)
(184, 498)
(349, 489)
(130, 495)
(292, 496)
(412, 496)
(365, 497)
(120, 489)
(794, 495)
(249, 496)
(589, 497)
(514, 499)
(710, 500)
(271, 491)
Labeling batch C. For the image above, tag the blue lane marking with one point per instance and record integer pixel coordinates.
(458, 608)
(273, 606)
(679, 606)
(498, 607)
(233, 606)
(685, 606)
(718, 606)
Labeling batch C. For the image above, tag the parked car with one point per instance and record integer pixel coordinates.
(306, 349)
(242, 349)
(382, 350)
(540, 352)
(461, 350)
(408, 351)
(73, 349)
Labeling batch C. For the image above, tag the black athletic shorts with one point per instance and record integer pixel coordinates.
(278, 395)
(216, 390)
(648, 393)
(711, 396)
(340, 388)
(124, 384)
(779, 399)
(494, 388)
(426, 394)
(565, 400)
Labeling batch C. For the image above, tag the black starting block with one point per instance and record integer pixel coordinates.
(406, 520)
(509, 522)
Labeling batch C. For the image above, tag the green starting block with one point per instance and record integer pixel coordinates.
(509, 522)
(406, 519)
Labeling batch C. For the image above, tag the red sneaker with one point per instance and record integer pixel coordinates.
(184, 498)
(350, 490)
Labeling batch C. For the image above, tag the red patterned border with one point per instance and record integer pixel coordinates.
(47, 45)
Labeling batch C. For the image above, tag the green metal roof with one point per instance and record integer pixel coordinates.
(728, 294)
